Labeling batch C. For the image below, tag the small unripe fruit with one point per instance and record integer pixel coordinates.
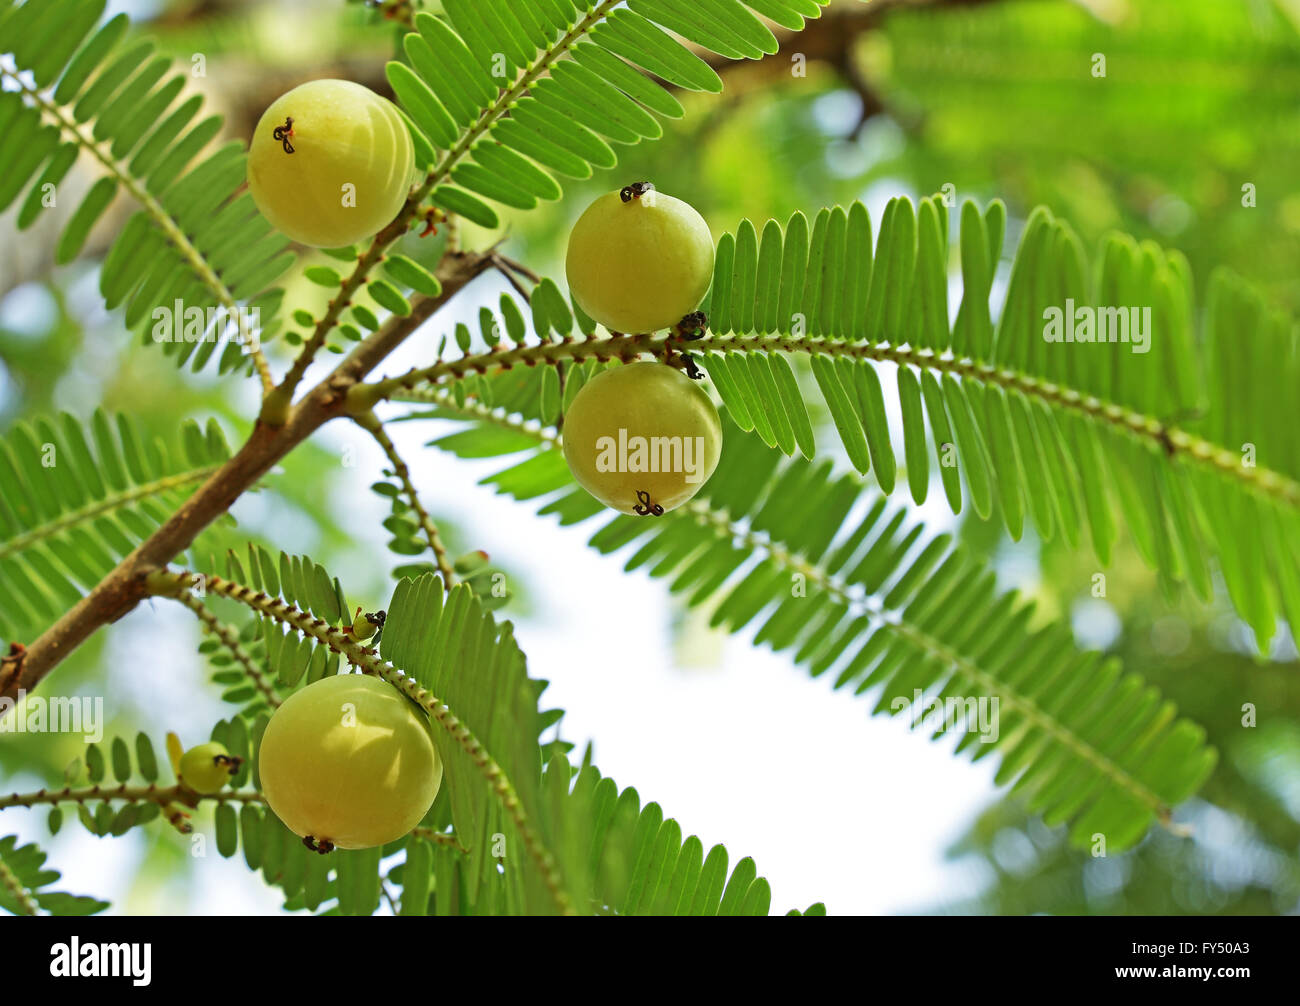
(366, 624)
(330, 163)
(639, 265)
(208, 767)
(642, 438)
(348, 762)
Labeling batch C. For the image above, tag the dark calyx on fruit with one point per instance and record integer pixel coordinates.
(635, 191)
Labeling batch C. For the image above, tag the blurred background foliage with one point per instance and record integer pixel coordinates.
(1191, 138)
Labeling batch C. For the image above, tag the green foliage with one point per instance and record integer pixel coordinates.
(410, 542)
(503, 98)
(1190, 116)
(631, 860)
(287, 656)
(435, 644)
(108, 813)
(563, 122)
(195, 241)
(851, 589)
(635, 860)
(245, 672)
(606, 853)
(611, 854)
(1065, 433)
(24, 884)
(74, 500)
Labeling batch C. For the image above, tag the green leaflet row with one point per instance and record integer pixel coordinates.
(817, 567)
(573, 73)
(94, 89)
(1065, 436)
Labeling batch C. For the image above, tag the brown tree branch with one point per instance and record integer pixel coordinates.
(124, 587)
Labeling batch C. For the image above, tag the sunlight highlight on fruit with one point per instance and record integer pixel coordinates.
(349, 763)
(642, 438)
(639, 264)
(207, 767)
(330, 163)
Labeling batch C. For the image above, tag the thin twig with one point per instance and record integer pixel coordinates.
(520, 289)
(1173, 440)
(475, 409)
(521, 269)
(161, 795)
(369, 422)
(9, 879)
(230, 640)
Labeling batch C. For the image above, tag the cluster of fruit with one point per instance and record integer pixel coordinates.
(348, 762)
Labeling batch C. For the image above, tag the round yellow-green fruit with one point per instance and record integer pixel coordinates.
(640, 265)
(350, 168)
(207, 767)
(642, 436)
(349, 762)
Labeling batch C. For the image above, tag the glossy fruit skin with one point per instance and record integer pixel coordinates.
(647, 400)
(641, 265)
(348, 761)
(207, 767)
(343, 134)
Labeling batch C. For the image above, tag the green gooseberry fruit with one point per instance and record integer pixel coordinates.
(639, 260)
(206, 768)
(641, 437)
(330, 163)
(348, 762)
(366, 624)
